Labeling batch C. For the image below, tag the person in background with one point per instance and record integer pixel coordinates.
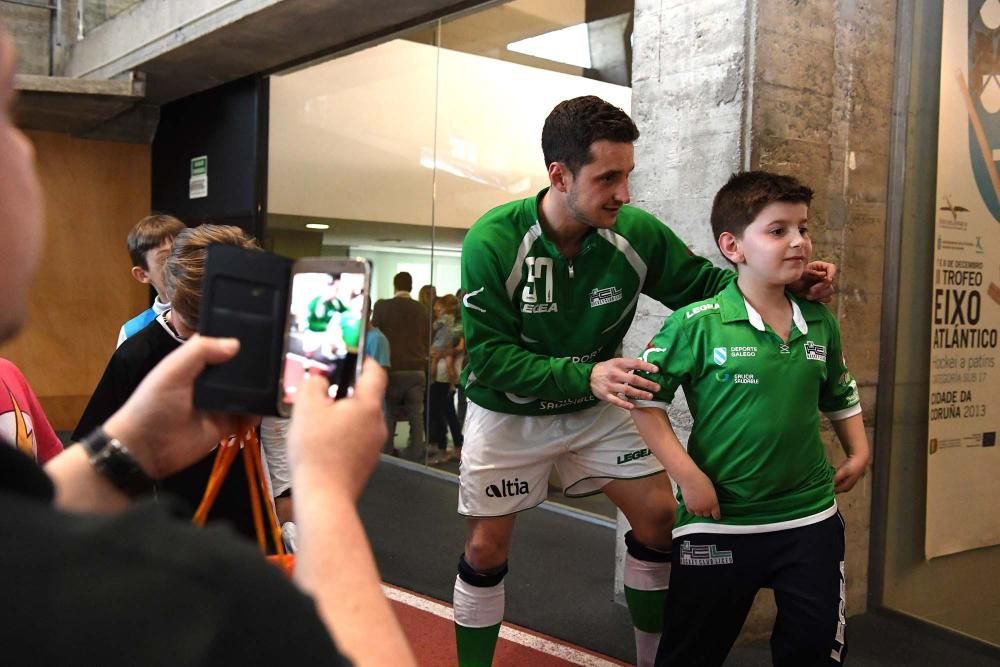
(149, 245)
(426, 297)
(137, 586)
(406, 324)
(441, 395)
(377, 346)
(22, 421)
(460, 359)
(138, 355)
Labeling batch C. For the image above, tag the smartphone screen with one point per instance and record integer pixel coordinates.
(326, 325)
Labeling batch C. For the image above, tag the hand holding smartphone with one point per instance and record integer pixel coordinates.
(292, 318)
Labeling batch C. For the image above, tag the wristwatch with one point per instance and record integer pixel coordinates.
(113, 460)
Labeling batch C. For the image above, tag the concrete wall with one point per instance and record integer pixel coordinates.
(31, 28)
(789, 86)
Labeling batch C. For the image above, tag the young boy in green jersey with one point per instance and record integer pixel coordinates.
(757, 495)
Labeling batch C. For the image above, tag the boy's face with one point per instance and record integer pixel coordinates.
(155, 259)
(21, 220)
(599, 189)
(775, 247)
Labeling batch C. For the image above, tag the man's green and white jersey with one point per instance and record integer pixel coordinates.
(754, 401)
(537, 323)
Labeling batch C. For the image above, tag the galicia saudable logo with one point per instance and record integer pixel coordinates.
(506, 488)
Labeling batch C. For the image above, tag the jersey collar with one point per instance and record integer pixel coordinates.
(733, 307)
(531, 217)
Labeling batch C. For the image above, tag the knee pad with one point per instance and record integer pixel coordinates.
(480, 579)
(640, 551)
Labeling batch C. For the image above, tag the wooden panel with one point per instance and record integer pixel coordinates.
(94, 192)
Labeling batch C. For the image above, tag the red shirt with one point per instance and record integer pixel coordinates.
(22, 421)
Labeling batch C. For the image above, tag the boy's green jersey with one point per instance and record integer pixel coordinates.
(537, 323)
(754, 400)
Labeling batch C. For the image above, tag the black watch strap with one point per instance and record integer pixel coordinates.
(113, 460)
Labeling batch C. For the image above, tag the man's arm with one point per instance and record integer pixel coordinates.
(158, 424)
(333, 448)
(696, 488)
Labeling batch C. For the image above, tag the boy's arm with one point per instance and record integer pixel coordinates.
(841, 403)
(696, 488)
(854, 440)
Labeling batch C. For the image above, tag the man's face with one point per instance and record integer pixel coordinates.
(155, 259)
(598, 190)
(21, 220)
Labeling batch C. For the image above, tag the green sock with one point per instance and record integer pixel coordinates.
(476, 645)
(646, 608)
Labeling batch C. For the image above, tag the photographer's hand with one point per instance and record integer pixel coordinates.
(158, 424)
(333, 447)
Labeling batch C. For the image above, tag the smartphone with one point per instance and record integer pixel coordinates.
(325, 329)
(291, 317)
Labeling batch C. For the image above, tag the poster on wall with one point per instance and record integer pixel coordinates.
(963, 460)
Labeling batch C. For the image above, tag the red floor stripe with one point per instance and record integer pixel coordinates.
(433, 641)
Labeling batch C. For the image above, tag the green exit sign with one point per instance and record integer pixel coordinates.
(199, 165)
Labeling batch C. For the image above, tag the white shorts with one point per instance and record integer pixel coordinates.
(506, 459)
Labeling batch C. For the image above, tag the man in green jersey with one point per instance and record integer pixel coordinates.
(757, 498)
(552, 283)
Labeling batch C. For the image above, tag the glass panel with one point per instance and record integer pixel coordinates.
(351, 173)
(397, 149)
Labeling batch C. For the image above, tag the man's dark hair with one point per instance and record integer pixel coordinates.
(748, 193)
(150, 233)
(575, 124)
(402, 282)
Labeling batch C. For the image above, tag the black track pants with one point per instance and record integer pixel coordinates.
(714, 580)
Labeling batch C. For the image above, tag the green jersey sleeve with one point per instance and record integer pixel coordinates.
(677, 276)
(492, 326)
(669, 351)
(839, 395)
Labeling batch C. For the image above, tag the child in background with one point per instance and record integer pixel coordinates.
(757, 495)
(149, 245)
(444, 376)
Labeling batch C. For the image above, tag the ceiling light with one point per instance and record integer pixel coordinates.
(317, 225)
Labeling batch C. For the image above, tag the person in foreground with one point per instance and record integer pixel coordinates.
(757, 495)
(93, 580)
(552, 283)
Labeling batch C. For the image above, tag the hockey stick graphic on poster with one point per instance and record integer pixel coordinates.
(984, 147)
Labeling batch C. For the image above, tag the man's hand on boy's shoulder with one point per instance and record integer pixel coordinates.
(614, 381)
(816, 283)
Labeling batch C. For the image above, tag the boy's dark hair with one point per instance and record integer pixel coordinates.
(149, 233)
(748, 193)
(575, 124)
